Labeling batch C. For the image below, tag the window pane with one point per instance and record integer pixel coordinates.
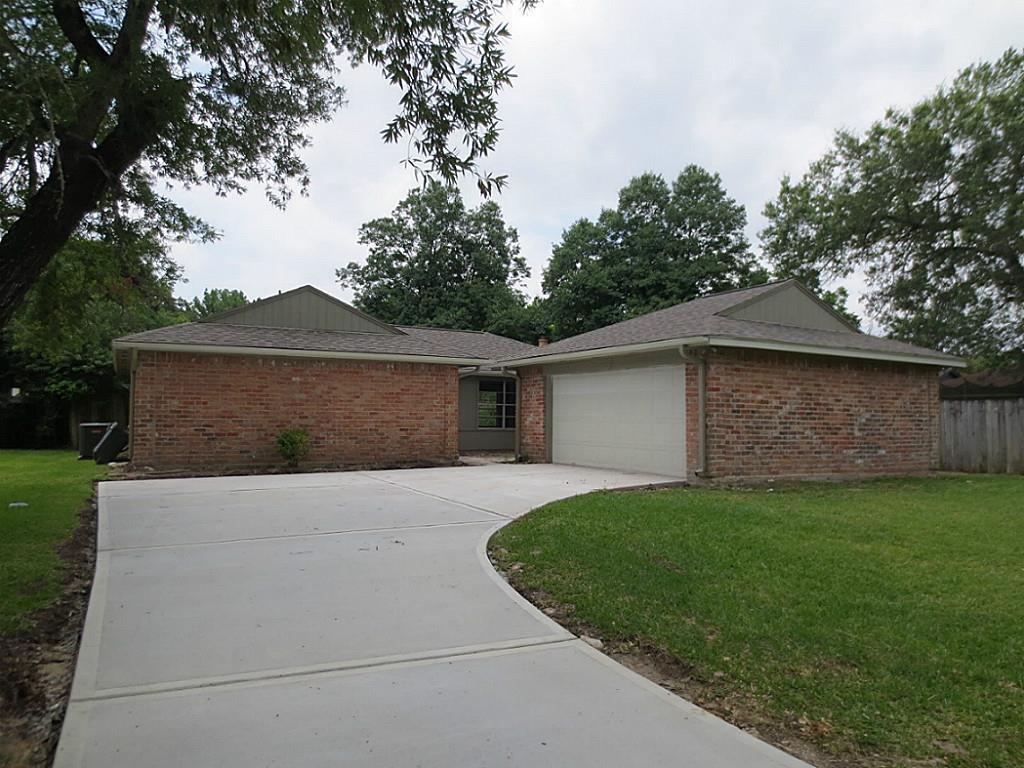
(510, 404)
(487, 415)
(496, 404)
(489, 395)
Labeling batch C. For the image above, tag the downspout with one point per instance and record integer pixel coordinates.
(519, 395)
(467, 370)
(701, 362)
(132, 367)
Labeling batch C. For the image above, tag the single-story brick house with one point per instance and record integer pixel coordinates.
(216, 393)
(763, 381)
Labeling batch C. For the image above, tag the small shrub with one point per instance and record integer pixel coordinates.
(293, 445)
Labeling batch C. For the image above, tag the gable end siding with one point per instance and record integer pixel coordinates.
(304, 307)
(788, 305)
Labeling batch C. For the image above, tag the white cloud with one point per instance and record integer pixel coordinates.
(606, 90)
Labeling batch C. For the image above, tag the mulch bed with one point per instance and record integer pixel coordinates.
(37, 663)
(128, 471)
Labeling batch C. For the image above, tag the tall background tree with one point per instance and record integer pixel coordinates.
(57, 347)
(662, 245)
(103, 98)
(929, 205)
(212, 302)
(434, 261)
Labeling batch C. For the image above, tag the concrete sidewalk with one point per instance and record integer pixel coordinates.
(352, 619)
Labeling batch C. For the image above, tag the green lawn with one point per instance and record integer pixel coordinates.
(889, 614)
(54, 484)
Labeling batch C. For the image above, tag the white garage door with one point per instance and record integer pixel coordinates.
(629, 419)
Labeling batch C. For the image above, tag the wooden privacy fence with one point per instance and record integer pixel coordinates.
(983, 435)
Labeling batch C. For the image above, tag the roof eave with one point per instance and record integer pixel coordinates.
(944, 361)
(937, 359)
(622, 349)
(223, 349)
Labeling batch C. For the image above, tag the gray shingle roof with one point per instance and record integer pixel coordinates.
(700, 317)
(426, 342)
(697, 318)
(488, 346)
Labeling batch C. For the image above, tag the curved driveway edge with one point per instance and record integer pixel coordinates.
(353, 619)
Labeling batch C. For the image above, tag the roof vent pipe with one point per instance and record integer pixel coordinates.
(542, 341)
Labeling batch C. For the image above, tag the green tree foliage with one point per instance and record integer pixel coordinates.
(117, 281)
(56, 349)
(663, 244)
(212, 302)
(522, 321)
(929, 205)
(434, 261)
(101, 98)
(93, 291)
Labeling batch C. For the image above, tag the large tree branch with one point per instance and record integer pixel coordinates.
(73, 24)
(132, 32)
(7, 150)
(1014, 281)
(79, 180)
(80, 133)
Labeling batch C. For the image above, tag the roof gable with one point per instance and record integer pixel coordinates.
(305, 307)
(297, 323)
(719, 319)
(790, 304)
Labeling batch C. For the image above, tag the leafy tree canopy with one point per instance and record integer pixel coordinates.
(434, 261)
(102, 98)
(522, 321)
(212, 302)
(663, 244)
(92, 292)
(117, 281)
(929, 204)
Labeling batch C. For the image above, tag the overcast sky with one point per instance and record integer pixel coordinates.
(606, 90)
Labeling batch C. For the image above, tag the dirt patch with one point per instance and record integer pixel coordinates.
(129, 471)
(37, 664)
(793, 734)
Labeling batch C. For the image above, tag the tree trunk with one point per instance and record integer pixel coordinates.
(82, 174)
(78, 182)
(51, 216)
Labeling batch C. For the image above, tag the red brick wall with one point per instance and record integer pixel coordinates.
(532, 437)
(787, 414)
(191, 410)
(692, 415)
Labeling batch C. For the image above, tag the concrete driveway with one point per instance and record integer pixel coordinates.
(352, 619)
